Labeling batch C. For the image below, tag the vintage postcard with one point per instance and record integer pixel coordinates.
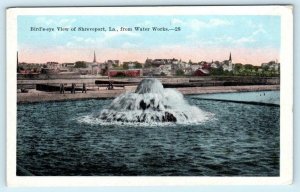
(133, 96)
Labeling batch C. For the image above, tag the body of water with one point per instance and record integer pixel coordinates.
(241, 139)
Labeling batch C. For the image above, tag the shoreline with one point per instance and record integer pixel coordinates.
(39, 96)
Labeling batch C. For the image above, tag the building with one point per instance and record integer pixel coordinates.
(271, 66)
(68, 65)
(93, 68)
(114, 63)
(165, 70)
(201, 72)
(53, 65)
(194, 67)
(95, 60)
(165, 67)
(227, 64)
(126, 73)
(215, 64)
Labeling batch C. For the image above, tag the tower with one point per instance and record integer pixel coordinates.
(230, 67)
(17, 58)
(94, 61)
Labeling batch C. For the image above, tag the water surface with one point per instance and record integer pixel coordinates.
(241, 140)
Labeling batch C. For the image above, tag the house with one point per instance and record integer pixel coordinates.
(215, 65)
(125, 73)
(165, 69)
(201, 72)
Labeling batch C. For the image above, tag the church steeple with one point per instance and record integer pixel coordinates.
(94, 61)
(230, 57)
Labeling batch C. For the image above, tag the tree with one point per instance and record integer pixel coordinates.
(125, 66)
(162, 74)
(227, 73)
(248, 67)
(138, 65)
(265, 67)
(20, 68)
(248, 70)
(238, 67)
(216, 71)
(179, 72)
(80, 64)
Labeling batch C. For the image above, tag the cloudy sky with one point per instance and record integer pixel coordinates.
(250, 39)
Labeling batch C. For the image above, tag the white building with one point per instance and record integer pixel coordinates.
(227, 64)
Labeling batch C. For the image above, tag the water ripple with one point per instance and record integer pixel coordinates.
(242, 140)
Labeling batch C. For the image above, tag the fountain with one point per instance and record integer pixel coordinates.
(152, 103)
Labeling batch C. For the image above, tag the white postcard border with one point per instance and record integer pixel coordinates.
(286, 97)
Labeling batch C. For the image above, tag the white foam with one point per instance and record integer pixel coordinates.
(151, 104)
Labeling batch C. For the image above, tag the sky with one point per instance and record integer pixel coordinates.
(250, 39)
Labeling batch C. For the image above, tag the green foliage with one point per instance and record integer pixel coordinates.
(20, 68)
(238, 67)
(269, 73)
(227, 73)
(162, 74)
(265, 67)
(248, 67)
(125, 66)
(179, 72)
(80, 64)
(138, 66)
(218, 71)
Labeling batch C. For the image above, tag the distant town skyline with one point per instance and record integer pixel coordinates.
(250, 39)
